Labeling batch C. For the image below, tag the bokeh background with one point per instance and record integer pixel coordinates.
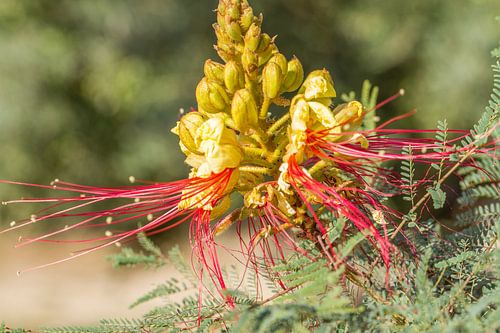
(89, 90)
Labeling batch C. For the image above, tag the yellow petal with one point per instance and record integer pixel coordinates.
(300, 115)
(210, 130)
(204, 171)
(184, 149)
(175, 130)
(323, 114)
(195, 160)
(283, 183)
(318, 84)
(220, 157)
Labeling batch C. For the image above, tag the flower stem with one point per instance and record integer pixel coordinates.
(261, 138)
(256, 169)
(256, 152)
(277, 125)
(320, 165)
(265, 108)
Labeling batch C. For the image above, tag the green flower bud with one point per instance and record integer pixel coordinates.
(228, 48)
(220, 19)
(234, 76)
(318, 84)
(267, 54)
(221, 35)
(211, 96)
(244, 111)
(214, 71)
(226, 56)
(272, 78)
(280, 60)
(294, 76)
(250, 63)
(265, 41)
(188, 126)
(348, 112)
(234, 31)
(252, 37)
(222, 7)
(233, 11)
(247, 18)
(221, 13)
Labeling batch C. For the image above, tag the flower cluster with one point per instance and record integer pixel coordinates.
(263, 132)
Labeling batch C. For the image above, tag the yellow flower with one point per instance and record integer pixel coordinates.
(219, 145)
(318, 84)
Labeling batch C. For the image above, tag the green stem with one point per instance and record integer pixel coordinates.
(265, 108)
(256, 152)
(261, 138)
(277, 125)
(317, 167)
(277, 152)
(255, 169)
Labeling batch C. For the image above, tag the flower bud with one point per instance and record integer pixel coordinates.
(221, 35)
(272, 78)
(226, 56)
(250, 63)
(244, 111)
(264, 42)
(234, 76)
(252, 37)
(247, 17)
(222, 7)
(221, 14)
(266, 55)
(294, 76)
(228, 48)
(211, 96)
(214, 71)
(281, 61)
(188, 126)
(220, 19)
(233, 11)
(349, 112)
(318, 84)
(233, 29)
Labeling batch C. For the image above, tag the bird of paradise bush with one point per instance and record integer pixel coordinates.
(279, 140)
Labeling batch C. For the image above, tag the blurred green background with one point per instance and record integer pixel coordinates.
(89, 89)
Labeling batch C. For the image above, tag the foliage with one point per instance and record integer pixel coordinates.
(130, 258)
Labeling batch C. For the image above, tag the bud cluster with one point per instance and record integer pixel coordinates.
(233, 127)
(253, 73)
